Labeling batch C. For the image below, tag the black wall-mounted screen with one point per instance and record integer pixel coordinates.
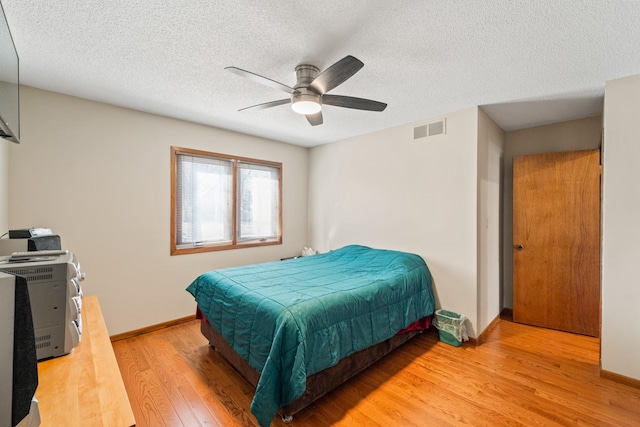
(9, 84)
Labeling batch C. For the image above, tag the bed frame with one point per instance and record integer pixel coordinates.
(318, 384)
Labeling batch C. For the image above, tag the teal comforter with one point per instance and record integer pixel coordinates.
(291, 319)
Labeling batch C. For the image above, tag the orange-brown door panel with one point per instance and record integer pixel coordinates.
(556, 241)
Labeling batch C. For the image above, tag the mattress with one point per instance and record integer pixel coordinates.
(291, 319)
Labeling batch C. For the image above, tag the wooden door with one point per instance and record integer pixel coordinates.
(556, 241)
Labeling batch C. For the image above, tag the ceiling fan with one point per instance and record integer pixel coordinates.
(310, 91)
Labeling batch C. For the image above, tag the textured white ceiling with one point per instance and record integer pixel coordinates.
(526, 62)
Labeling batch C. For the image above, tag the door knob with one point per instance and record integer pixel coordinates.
(519, 247)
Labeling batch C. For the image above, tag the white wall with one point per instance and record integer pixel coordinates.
(574, 135)
(387, 190)
(490, 152)
(621, 228)
(99, 176)
(4, 186)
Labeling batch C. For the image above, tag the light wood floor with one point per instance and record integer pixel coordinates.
(520, 376)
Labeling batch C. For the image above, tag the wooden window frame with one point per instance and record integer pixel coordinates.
(175, 250)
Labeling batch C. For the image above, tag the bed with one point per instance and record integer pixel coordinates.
(297, 328)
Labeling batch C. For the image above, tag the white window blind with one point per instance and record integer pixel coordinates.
(221, 202)
(258, 201)
(204, 204)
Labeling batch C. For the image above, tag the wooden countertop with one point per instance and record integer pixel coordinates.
(84, 388)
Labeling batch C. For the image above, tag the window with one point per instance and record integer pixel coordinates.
(223, 202)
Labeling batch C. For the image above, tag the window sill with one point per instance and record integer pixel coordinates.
(213, 248)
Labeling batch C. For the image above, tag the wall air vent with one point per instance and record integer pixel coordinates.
(437, 128)
(420, 132)
(430, 129)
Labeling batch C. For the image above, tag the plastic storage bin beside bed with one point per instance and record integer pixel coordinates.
(451, 327)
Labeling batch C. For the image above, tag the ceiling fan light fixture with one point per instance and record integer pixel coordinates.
(303, 103)
(310, 91)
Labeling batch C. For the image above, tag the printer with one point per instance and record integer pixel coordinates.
(29, 240)
(53, 278)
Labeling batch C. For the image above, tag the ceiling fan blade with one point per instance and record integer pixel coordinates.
(314, 119)
(260, 79)
(267, 105)
(336, 74)
(351, 102)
